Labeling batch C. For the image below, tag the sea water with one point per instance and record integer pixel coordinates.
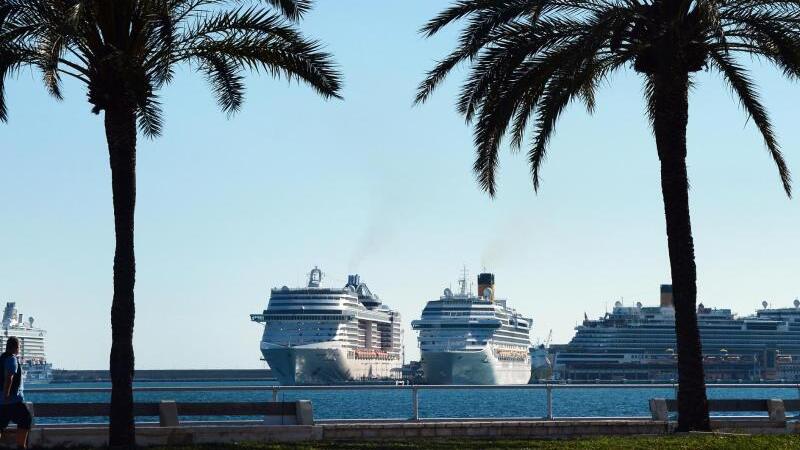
(387, 402)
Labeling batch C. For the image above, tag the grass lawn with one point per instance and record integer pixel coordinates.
(695, 442)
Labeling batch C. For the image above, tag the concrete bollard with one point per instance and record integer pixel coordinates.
(305, 412)
(168, 413)
(658, 409)
(777, 410)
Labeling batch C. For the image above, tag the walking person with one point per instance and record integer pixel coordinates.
(12, 404)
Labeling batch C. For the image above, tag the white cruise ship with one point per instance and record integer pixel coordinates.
(474, 339)
(324, 335)
(31, 343)
(637, 342)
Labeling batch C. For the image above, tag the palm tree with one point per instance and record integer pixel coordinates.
(124, 51)
(528, 59)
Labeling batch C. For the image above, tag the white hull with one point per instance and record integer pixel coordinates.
(38, 373)
(323, 363)
(473, 367)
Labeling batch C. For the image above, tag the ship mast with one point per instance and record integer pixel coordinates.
(462, 282)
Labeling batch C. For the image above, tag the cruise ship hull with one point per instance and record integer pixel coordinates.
(322, 364)
(472, 367)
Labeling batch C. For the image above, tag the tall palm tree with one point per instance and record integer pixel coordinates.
(528, 59)
(124, 51)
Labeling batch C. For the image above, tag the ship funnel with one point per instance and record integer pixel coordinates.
(8, 313)
(666, 296)
(486, 286)
(353, 280)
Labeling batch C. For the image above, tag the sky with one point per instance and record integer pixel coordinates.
(229, 207)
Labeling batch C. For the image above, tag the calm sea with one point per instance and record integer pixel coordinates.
(387, 403)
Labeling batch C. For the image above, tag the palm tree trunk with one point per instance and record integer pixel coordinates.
(120, 124)
(670, 117)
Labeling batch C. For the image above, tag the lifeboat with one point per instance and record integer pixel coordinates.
(368, 353)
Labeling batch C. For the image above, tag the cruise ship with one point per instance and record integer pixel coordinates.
(328, 335)
(637, 342)
(474, 339)
(31, 343)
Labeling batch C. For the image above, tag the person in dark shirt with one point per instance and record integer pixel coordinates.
(12, 403)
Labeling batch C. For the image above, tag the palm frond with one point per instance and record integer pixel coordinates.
(650, 98)
(493, 24)
(767, 37)
(126, 50)
(162, 39)
(225, 79)
(12, 56)
(457, 11)
(8, 64)
(567, 84)
(149, 116)
(743, 87)
(258, 40)
(52, 47)
(530, 58)
(293, 9)
(516, 43)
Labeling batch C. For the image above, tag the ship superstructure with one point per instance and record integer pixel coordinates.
(32, 344)
(327, 335)
(474, 339)
(638, 343)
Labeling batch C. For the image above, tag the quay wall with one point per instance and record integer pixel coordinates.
(77, 376)
(96, 436)
(553, 429)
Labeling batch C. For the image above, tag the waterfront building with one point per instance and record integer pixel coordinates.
(637, 342)
(474, 339)
(326, 335)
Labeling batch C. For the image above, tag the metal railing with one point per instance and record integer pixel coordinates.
(414, 390)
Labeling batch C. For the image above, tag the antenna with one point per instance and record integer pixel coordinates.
(463, 281)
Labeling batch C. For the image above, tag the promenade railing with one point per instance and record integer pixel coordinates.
(413, 391)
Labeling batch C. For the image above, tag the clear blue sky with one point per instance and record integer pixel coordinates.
(229, 208)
